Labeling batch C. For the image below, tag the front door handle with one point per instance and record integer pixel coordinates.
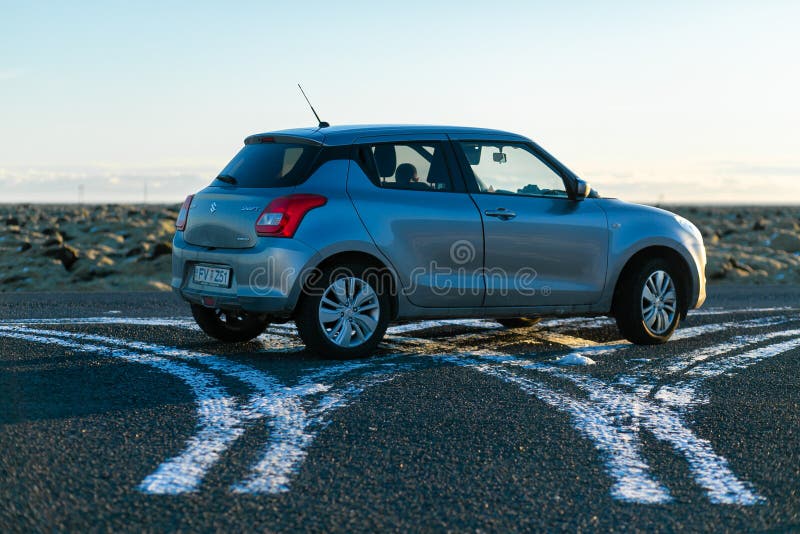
(501, 213)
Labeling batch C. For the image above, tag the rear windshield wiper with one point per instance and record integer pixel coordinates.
(227, 178)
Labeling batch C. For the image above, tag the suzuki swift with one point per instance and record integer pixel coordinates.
(344, 229)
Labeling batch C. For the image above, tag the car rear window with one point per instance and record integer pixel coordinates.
(268, 165)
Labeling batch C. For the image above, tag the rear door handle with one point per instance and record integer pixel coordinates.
(501, 213)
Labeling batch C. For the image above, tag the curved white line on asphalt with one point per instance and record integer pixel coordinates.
(188, 323)
(578, 346)
(607, 349)
(290, 428)
(178, 322)
(295, 421)
(643, 378)
(220, 421)
(618, 444)
(684, 394)
(742, 361)
(602, 321)
(722, 311)
(287, 418)
(294, 424)
(289, 442)
(710, 470)
(424, 325)
(694, 331)
(290, 436)
(686, 362)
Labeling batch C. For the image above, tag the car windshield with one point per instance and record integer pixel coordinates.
(268, 165)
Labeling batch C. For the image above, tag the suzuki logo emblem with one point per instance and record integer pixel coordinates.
(213, 208)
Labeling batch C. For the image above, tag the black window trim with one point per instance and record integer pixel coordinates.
(328, 153)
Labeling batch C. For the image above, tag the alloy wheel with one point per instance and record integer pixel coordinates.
(659, 302)
(349, 312)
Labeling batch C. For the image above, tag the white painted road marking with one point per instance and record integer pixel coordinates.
(219, 417)
(654, 394)
(291, 430)
(618, 444)
(710, 470)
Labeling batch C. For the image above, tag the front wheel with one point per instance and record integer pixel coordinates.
(229, 326)
(345, 314)
(647, 307)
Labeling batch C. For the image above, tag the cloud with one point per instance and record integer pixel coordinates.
(721, 182)
(757, 169)
(101, 183)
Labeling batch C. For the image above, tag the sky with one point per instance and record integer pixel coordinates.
(669, 102)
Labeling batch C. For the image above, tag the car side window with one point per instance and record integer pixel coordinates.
(511, 169)
(414, 166)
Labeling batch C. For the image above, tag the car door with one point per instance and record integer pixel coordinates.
(541, 247)
(421, 219)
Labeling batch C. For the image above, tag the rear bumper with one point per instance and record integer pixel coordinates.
(266, 278)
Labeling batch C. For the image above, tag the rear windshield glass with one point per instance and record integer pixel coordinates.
(268, 165)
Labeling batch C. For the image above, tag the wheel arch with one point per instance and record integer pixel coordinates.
(385, 273)
(674, 258)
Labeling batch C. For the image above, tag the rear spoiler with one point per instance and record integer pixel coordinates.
(280, 138)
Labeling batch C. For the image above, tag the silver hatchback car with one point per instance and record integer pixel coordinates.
(344, 229)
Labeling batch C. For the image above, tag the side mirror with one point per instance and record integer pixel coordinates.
(582, 190)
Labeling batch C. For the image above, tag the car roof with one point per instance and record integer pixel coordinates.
(347, 134)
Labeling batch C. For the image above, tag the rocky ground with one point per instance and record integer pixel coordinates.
(128, 247)
(85, 248)
(749, 244)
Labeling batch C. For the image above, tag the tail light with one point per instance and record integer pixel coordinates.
(283, 215)
(180, 223)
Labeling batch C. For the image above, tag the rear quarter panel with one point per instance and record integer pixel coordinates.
(335, 227)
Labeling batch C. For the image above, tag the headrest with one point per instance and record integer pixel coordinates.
(385, 160)
(405, 172)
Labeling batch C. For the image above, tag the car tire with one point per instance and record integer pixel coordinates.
(229, 326)
(344, 314)
(518, 322)
(648, 303)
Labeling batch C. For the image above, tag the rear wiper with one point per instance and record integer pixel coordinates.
(227, 178)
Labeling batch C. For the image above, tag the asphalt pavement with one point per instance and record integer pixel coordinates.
(118, 414)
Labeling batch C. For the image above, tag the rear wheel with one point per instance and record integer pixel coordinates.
(229, 326)
(518, 322)
(647, 307)
(345, 314)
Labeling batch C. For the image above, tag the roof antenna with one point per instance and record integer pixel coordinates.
(322, 124)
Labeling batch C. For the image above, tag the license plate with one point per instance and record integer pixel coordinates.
(212, 276)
